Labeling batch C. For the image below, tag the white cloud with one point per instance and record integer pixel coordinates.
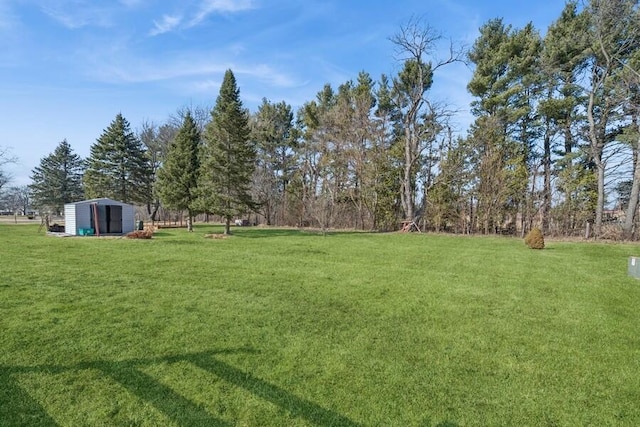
(204, 86)
(196, 70)
(168, 23)
(237, 49)
(267, 74)
(150, 71)
(206, 9)
(74, 16)
(209, 7)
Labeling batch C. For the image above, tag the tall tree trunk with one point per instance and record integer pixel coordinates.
(600, 200)
(568, 224)
(283, 205)
(546, 163)
(596, 143)
(189, 220)
(632, 208)
(268, 213)
(407, 190)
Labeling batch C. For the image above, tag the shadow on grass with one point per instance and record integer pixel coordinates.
(18, 408)
(296, 406)
(178, 242)
(259, 232)
(162, 234)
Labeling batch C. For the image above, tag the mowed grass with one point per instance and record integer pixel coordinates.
(286, 328)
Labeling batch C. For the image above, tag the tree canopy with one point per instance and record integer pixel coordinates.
(228, 157)
(118, 166)
(57, 180)
(178, 175)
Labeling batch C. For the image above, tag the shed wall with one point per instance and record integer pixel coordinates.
(128, 219)
(83, 216)
(70, 219)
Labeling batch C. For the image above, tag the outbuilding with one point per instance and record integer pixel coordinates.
(99, 217)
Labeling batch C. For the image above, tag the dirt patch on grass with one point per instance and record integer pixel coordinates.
(216, 236)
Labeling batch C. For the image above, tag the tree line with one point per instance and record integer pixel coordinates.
(554, 143)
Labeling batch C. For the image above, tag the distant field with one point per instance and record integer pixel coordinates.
(21, 219)
(289, 328)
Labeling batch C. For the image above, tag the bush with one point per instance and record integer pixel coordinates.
(140, 234)
(534, 239)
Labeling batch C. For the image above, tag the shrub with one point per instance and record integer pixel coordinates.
(534, 239)
(140, 234)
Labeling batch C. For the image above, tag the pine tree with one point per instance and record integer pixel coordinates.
(274, 136)
(178, 176)
(505, 83)
(58, 180)
(118, 166)
(563, 59)
(614, 36)
(228, 160)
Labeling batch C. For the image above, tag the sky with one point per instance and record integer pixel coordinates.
(68, 67)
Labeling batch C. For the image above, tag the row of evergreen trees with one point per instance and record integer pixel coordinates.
(210, 173)
(555, 117)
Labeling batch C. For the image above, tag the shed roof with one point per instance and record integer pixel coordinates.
(100, 201)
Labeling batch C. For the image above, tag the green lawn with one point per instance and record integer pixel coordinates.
(284, 327)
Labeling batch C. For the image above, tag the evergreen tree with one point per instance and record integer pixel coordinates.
(614, 36)
(178, 176)
(563, 61)
(274, 135)
(387, 155)
(228, 157)
(505, 83)
(118, 166)
(58, 180)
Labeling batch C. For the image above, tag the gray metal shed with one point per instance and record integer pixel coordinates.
(112, 217)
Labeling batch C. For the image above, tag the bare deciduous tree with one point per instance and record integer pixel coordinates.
(5, 158)
(417, 46)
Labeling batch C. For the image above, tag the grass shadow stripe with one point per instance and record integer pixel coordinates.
(18, 408)
(178, 408)
(297, 406)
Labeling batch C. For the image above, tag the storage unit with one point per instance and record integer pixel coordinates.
(99, 217)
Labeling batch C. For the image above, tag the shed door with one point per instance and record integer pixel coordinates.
(103, 219)
(114, 219)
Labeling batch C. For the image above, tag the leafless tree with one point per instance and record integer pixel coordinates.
(417, 46)
(5, 158)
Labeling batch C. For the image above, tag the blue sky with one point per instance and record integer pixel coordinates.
(67, 67)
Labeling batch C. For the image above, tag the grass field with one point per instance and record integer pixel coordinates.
(284, 327)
